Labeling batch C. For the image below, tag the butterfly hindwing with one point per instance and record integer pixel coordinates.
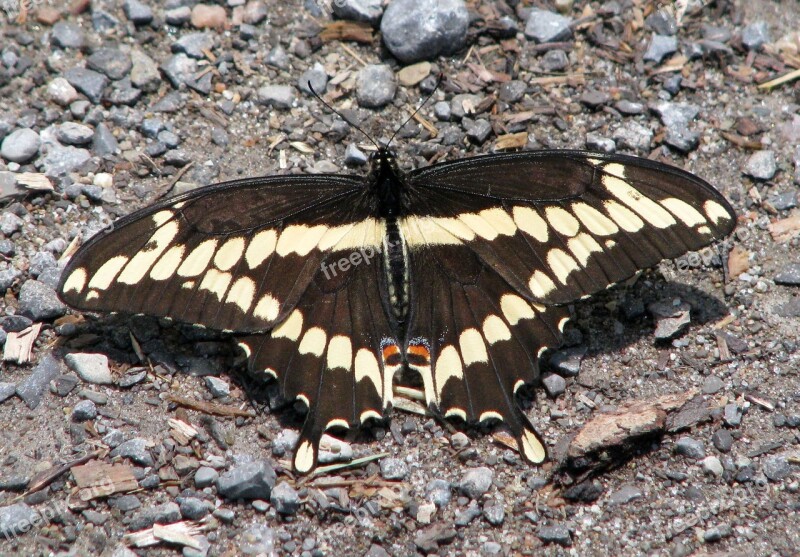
(475, 341)
(329, 352)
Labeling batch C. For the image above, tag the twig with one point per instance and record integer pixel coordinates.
(210, 407)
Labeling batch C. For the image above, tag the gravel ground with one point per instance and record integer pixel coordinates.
(106, 106)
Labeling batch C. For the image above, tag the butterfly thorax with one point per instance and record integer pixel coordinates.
(388, 185)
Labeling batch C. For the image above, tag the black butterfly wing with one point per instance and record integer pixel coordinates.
(497, 242)
(233, 256)
(335, 352)
(561, 225)
(474, 340)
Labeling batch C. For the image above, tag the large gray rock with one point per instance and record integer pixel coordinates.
(253, 480)
(415, 30)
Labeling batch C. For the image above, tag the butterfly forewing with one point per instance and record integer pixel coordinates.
(559, 226)
(236, 256)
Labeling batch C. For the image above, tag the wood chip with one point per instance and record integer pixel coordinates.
(210, 407)
(180, 533)
(512, 141)
(34, 181)
(738, 261)
(303, 147)
(100, 479)
(44, 478)
(357, 31)
(182, 432)
(759, 401)
(624, 428)
(573, 80)
(786, 78)
(743, 142)
(19, 345)
(413, 74)
(724, 351)
(785, 229)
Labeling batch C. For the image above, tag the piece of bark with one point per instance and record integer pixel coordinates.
(610, 438)
(98, 479)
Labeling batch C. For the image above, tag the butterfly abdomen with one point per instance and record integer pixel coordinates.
(396, 268)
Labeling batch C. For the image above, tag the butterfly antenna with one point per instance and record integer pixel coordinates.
(342, 116)
(423, 103)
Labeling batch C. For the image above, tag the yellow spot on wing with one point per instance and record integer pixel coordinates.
(595, 221)
(562, 221)
(500, 221)
(216, 283)
(529, 221)
(715, 211)
(540, 284)
(582, 246)
(304, 457)
(448, 365)
(623, 217)
(76, 280)
(313, 342)
(473, 349)
(242, 293)
(515, 309)
(495, 329)
(197, 261)
(168, 264)
(105, 275)
(561, 264)
(531, 447)
(291, 327)
(340, 353)
(140, 264)
(648, 209)
(161, 217)
(299, 239)
(268, 308)
(490, 415)
(260, 248)
(366, 366)
(229, 254)
(685, 212)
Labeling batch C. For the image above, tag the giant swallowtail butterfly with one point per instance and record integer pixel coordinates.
(459, 271)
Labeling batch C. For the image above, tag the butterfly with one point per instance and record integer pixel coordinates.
(459, 271)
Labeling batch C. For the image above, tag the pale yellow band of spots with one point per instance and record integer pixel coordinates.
(313, 342)
(515, 309)
(261, 246)
(267, 308)
(366, 366)
(340, 353)
(229, 254)
(140, 264)
(199, 258)
(495, 330)
(473, 349)
(529, 221)
(561, 221)
(76, 281)
(107, 272)
(448, 365)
